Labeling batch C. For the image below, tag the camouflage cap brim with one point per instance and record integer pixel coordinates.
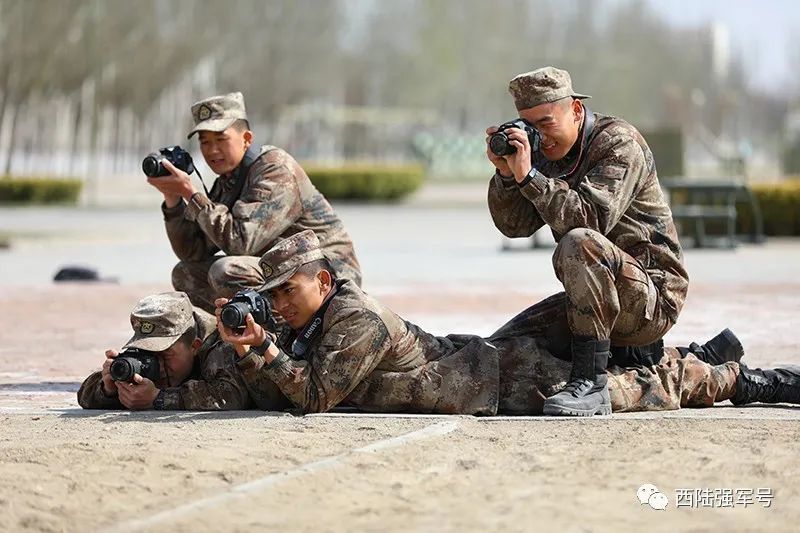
(217, 125)
(153, 344)
(279, 280)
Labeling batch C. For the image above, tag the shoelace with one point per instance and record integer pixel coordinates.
(577, 386)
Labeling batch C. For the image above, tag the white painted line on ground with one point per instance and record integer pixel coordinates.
(239, 491)
(656, 415)
(357, 414)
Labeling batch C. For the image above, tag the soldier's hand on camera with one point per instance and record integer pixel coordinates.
(252, 334)
(498, 161)
(109, 385)
(519, 161)
(175, 186)
(137, 395)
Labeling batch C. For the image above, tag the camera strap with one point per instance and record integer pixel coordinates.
(588, 128)
(197, 171)
(251, 154)
(313, 328)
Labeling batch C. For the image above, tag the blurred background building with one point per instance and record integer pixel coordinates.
(87, 87)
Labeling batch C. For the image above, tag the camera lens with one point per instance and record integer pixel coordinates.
(498, 144)
(233, 314)
(151, 165)
(123, 368)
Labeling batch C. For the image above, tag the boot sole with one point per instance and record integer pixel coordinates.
(555, 410)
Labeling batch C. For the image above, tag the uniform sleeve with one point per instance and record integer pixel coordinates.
(185, 236)
(91, 395)
(222, 387)
(512, 213)
(349, 351)
(269, 204)
(601, 197)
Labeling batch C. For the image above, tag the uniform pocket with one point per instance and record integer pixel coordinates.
(637, 296)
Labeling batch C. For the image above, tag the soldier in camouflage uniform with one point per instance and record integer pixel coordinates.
(342, 347)
(261, 195)
(197, 371)
(593, 180)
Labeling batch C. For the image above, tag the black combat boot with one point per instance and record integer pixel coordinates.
(586, 394)
(721, 349)
(778, 385)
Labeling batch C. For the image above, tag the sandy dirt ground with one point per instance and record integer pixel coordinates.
(75, 471)
(64, 469)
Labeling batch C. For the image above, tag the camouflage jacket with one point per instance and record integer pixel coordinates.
(368, 357)
(215, 384)
(614, 190)
(267, 198)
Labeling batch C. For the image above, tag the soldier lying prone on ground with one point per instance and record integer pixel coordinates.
(174, 361)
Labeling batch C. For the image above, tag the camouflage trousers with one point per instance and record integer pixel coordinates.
(216, 277)
(529, 374)
(609, 295)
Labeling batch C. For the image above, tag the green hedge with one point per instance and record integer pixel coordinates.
(39, 190)
(366, 182)
(780, 207)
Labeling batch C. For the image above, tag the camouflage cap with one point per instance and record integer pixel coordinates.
(159, 320)
(282, 260)
(541, 86)
(217, 113)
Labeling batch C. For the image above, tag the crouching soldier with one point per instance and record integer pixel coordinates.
(261, 194)
(342, 347)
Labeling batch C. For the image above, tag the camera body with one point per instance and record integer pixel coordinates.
(499, 144)
(135, 361)
(234, 313)
(152, 164)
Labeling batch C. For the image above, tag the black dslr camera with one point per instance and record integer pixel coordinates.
(498, 142)
(247, 302)
(135, 361)
(153, 167)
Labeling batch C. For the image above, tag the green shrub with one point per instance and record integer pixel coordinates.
(780, 208)
(39, 190)
(366, 182)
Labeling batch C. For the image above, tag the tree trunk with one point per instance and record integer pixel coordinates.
(12, 140)
(115, 158)
(4, 101)
(76, 133)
